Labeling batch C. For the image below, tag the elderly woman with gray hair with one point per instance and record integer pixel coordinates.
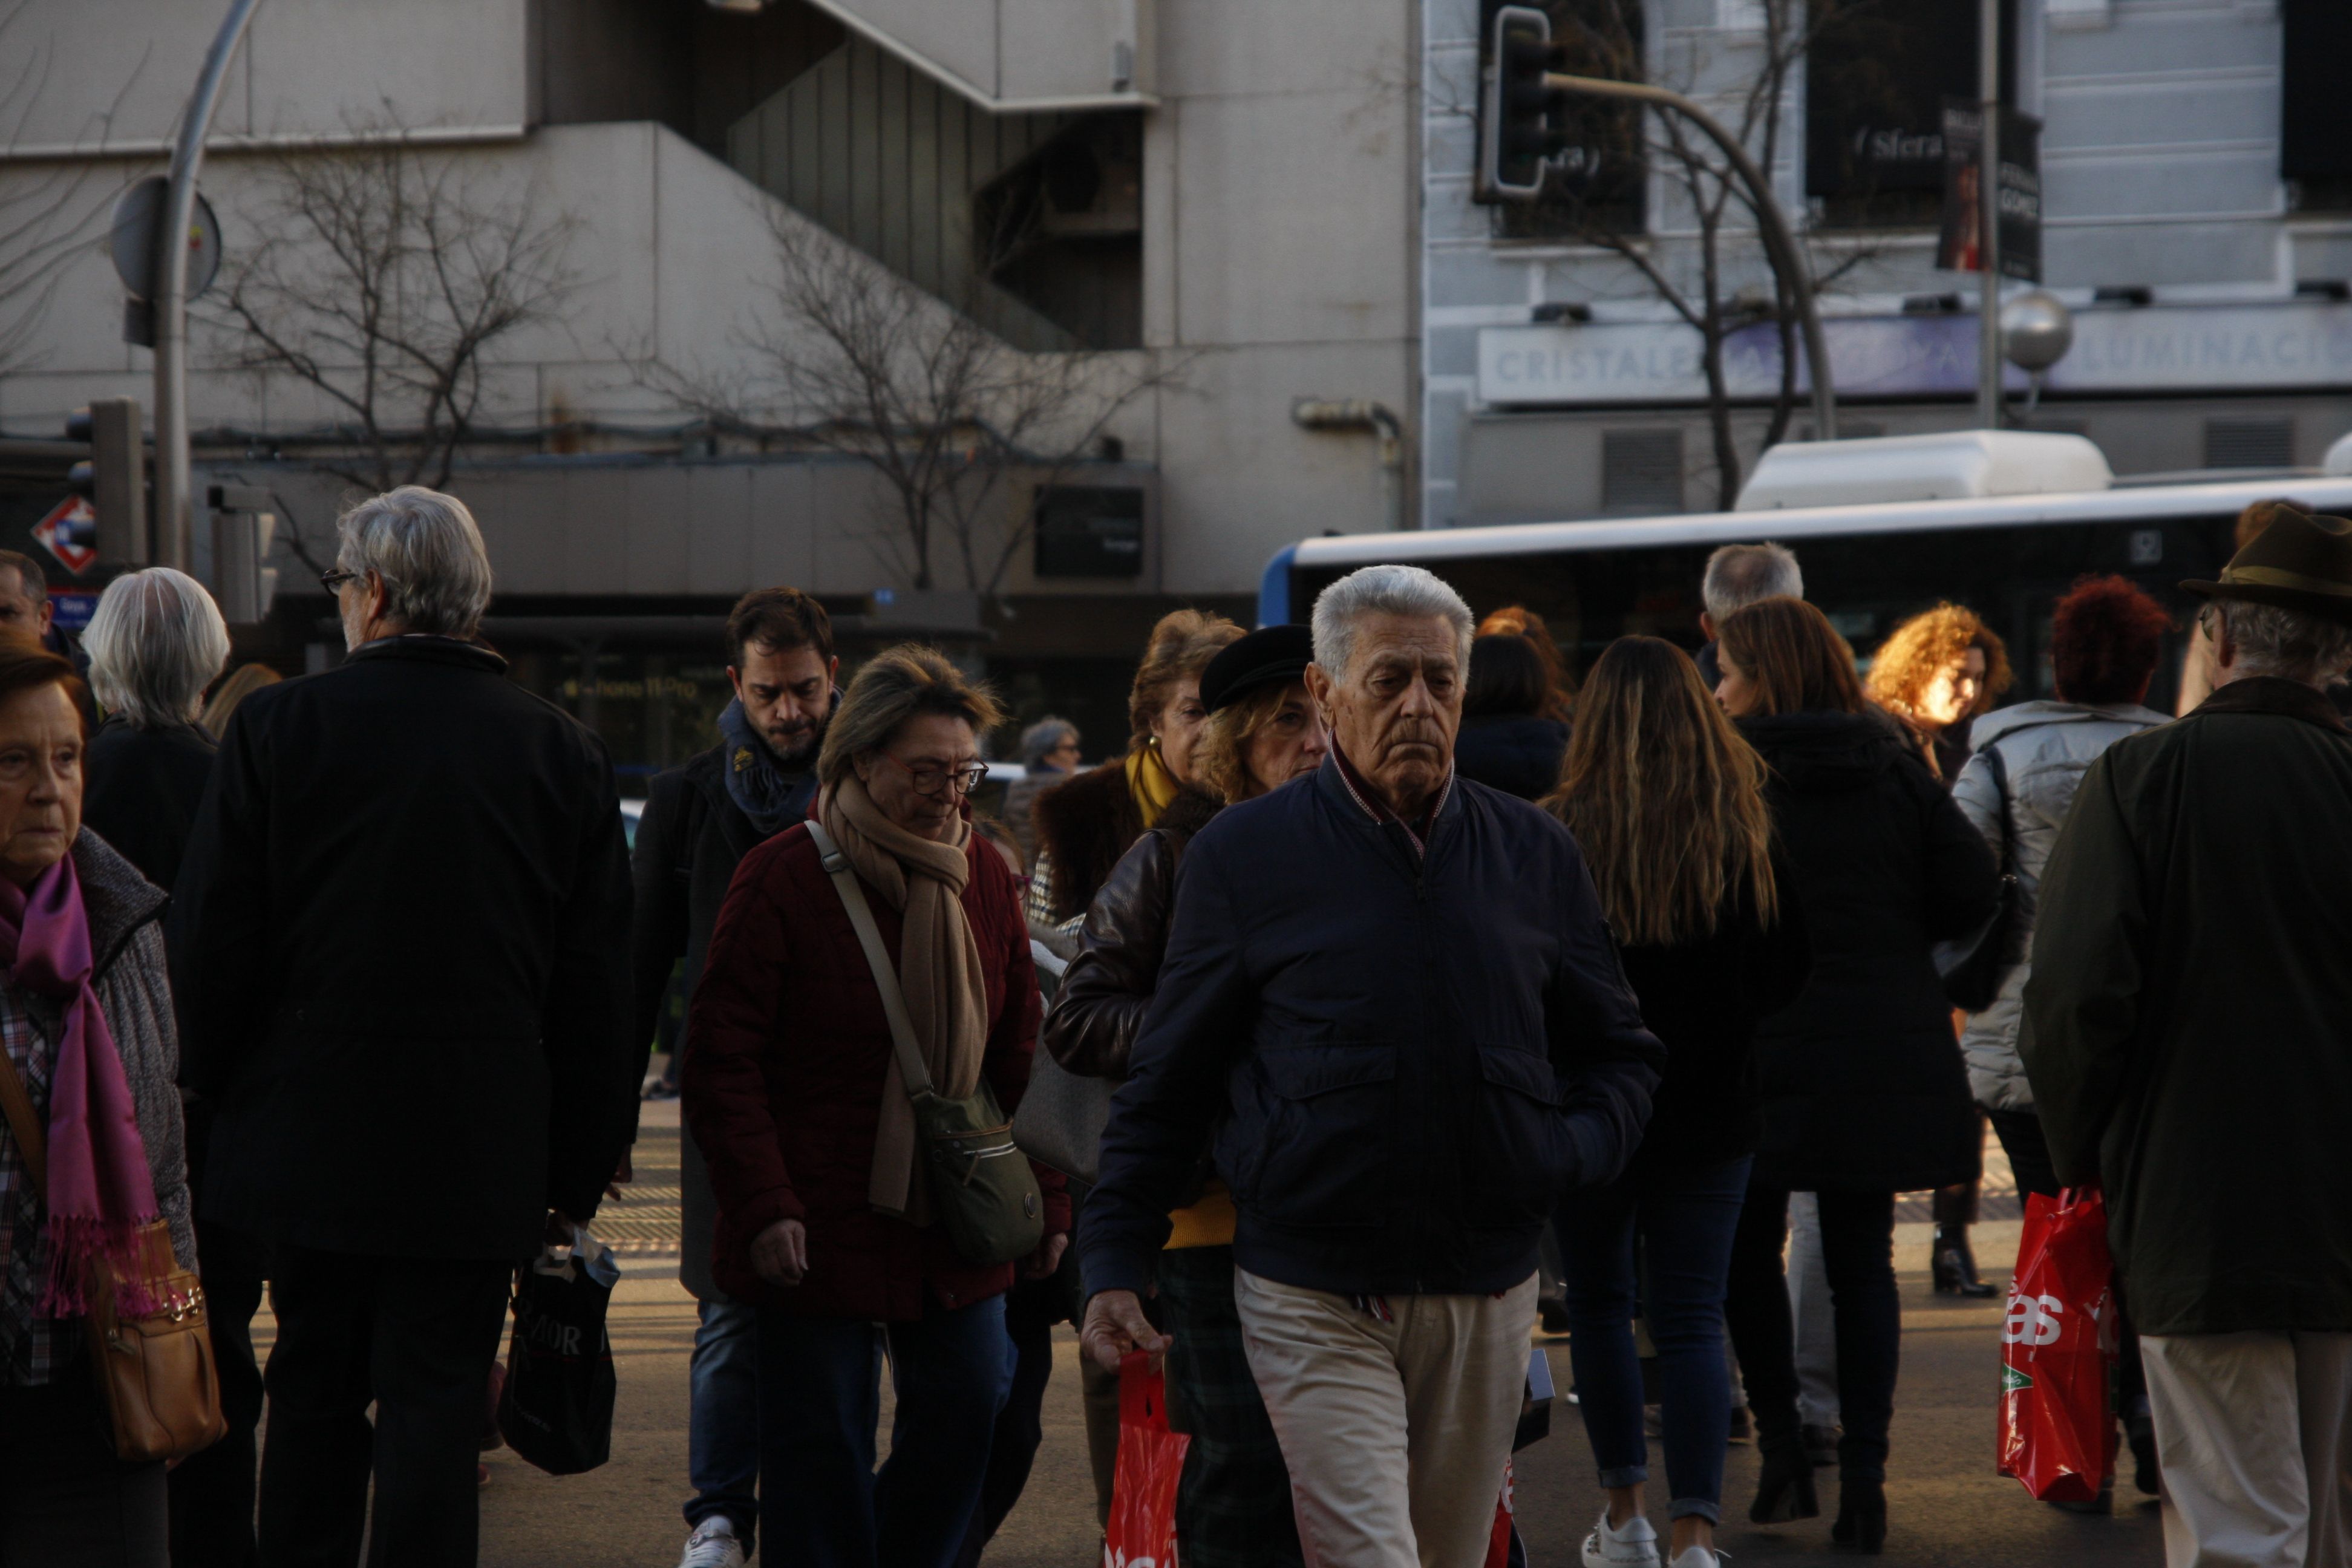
(156, 643)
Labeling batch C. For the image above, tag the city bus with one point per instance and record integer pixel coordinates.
(1867, 564)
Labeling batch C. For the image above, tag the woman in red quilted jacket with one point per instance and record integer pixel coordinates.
(794, 1097)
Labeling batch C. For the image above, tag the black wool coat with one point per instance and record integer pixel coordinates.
(1703, 999)
(139, 792)
(400, 946)
(2188, 1017)
(689, 841)
(1407, 1061)
(1861, 1081)
(1519, 754)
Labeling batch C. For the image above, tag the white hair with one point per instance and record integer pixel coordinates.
(1738, 575)
(1384, 591)
(429, 553)
(2272, 640)
(155, 642)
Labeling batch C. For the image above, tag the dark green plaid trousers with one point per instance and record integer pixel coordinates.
(1233, 1505)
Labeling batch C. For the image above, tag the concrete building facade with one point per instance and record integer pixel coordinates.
(1215, 197)
(2196, 219)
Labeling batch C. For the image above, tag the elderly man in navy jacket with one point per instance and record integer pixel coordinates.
(1391, 996)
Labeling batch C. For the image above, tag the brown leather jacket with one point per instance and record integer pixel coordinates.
(1099, 1009)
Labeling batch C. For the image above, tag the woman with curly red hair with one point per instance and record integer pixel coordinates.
(2106, 639)
(1938, 670)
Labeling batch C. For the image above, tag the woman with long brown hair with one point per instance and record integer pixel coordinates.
(1863, 1095)
(1669, 802)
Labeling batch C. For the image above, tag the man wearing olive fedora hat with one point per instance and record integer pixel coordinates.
(2189, 1036)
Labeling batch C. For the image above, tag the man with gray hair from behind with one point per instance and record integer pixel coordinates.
(1737, 577)
(1389, 994)
(400, 947)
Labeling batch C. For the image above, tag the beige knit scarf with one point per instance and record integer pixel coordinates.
(939, 970)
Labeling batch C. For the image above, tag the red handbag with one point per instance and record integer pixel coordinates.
(1142, 1529)
(2058, 1350)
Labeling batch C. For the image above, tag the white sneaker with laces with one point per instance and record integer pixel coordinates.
(1634, 1544)
(1698, 1557)
(713, 1545)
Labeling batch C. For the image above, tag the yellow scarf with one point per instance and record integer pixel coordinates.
(1149, 782)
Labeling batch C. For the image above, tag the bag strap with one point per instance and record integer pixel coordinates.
(32, 1139)
(911, 1071)
(1999, 767)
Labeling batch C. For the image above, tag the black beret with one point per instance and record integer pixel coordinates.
(1268, 656)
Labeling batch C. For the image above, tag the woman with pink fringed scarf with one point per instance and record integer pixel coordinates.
(86, 1023)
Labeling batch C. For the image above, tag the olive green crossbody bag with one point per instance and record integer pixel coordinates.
(981, 1182)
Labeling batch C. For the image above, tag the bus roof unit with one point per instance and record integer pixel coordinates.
(1953, 465)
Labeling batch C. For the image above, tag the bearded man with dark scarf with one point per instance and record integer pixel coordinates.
(699, 821)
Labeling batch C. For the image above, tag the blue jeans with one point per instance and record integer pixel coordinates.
(1685, 1220)
(722, 1432)
(822, 1502)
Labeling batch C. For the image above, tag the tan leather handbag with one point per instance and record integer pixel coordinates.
(155, 1372)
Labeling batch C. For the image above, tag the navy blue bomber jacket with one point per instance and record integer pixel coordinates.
(1405, 1060)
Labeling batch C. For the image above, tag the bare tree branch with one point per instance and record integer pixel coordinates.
(861, 362)
(385, 277)
(1687, 271)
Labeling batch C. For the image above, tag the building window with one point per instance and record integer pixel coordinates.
(2249, 442)
(1877, 73)
(1642, 470)
(2314, 155)
(1596, 184)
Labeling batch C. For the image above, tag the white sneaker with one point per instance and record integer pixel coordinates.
(1698, 1557)
(713, 1545)
(1631, 1545)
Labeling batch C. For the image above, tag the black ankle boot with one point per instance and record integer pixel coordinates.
(1784, 1489)
(1954, 1266)
(1862, 1517)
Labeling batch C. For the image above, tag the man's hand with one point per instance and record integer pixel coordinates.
(1116, 1325)
(622, 1177)
(1041, 1263)
(560, 1227)
(780, 1253)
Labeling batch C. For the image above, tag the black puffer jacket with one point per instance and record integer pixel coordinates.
(1518, 753)
(1861, 1082)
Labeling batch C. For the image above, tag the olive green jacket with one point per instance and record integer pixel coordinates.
(2189, 1020)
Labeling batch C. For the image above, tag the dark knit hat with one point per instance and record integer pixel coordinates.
(1268, 656)
(2298, 562)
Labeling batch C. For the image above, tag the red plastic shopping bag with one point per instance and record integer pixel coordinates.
(2057, 1349)
(1142, 1530)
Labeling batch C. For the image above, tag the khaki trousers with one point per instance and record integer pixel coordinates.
(2254, 1434)
(1396, 1433)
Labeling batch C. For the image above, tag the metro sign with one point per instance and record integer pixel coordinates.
(70, 534)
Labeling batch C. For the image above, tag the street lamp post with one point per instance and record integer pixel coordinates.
(1988, 216)
(173, 512)
(1779, 241)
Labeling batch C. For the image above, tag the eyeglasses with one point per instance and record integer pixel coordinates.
(928, 779)
(333, 579)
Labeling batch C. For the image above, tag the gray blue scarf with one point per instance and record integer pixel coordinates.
(759, 786)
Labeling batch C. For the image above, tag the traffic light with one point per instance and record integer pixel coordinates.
(1516, 136)
(114, 478)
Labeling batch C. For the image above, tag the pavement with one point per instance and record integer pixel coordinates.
(1948, 1508)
